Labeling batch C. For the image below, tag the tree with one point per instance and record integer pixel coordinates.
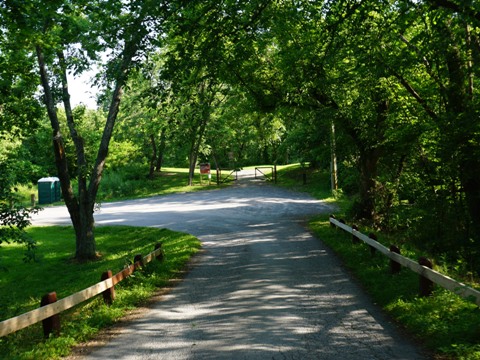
(445, 48)
(19, 115)
(68, 37)
(14, 218)
(148, 111)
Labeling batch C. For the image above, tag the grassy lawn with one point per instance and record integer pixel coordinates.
(304, 179)
(171, 180)
(23, 284)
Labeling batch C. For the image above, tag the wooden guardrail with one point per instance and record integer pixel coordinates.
(53, 309)
(418, 267)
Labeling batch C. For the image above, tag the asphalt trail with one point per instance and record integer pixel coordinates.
(263, 288)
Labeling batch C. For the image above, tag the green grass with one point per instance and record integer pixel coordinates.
(317, 182)
(120, 186)
(23, 285)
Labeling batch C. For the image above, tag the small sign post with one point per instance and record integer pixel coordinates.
(205, 169)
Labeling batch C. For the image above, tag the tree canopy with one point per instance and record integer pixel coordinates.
(388, 89)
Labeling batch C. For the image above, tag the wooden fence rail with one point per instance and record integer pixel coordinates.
(32, 317)
(425, 272)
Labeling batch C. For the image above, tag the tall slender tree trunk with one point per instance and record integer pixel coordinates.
(205, 101)
(368, 174)
(333, 151)
(195, 149)
(153, 158)
(161, 150)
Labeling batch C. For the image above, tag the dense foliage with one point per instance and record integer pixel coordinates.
(385, 91)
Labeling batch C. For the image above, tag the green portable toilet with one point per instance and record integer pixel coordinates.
(48, 190)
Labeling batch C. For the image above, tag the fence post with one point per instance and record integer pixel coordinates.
(51, 324)
(332, 225)
(32, 199)
(159, 257)
(275, 173)
(355, 240)
(109, 294)
(373, 237)
(395, 267)
(426, 285)
(137, 262)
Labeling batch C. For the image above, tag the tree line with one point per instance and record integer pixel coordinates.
(384, 90)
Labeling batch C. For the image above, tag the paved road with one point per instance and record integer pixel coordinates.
(263, 288)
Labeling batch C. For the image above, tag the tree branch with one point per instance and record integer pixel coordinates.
(425, 62)
(416, 95)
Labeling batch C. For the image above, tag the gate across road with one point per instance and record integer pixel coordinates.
(262, 173)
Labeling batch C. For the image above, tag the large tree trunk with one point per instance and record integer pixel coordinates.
(78, 208)
(461, 128)
(81, 207)
(368, 164)
(85, 234)
(83, 213)
(370, 154)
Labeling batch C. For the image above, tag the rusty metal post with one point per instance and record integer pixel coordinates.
(109, 294)
(51, 324)
(426, 285)
(395, 267)
(355, 240)
(159, 257)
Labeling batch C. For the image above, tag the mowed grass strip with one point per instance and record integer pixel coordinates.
(23, 284)
(135, 184)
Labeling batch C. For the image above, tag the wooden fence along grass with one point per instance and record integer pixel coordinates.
(51, 308)
(428, 276)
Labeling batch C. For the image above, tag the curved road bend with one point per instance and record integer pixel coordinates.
(263, 288)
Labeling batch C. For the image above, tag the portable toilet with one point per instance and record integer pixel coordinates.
(48, 190)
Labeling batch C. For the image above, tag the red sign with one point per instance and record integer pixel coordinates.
(204, 168)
